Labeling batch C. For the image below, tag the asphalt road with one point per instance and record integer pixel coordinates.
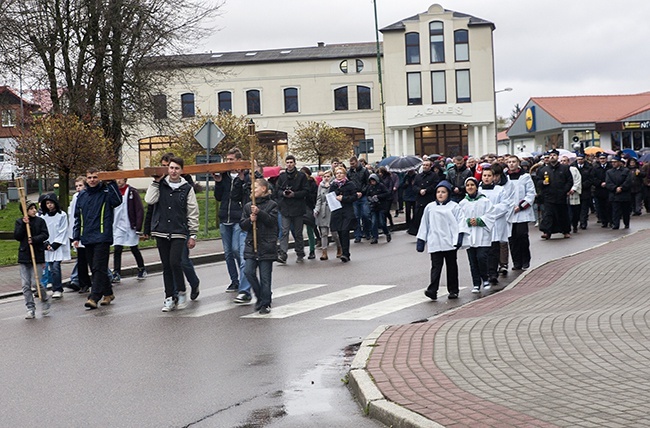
(217, 364)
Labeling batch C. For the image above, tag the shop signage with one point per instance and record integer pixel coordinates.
(442, 110)
(637, 125)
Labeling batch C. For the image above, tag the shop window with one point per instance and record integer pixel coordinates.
(224, 98)
(160, 107)
(438, 87)
(363, 98)
(414, 89)
(412, 41)
(341, 98)
(437, 41)
(461, 45)
(291, 100)
(187, 105)
(253, 104)
(463, 94)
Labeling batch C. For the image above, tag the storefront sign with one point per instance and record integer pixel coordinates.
(530, 119)
(637, 125)
(439, 111)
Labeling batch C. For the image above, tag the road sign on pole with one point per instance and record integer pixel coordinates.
(208, 137)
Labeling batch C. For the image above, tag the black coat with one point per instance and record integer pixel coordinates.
(587, 179)
(359, 176)
(267, 229)
(425, 180)
(296, 181)
(599, 176)
(560, 182)
(343, 219)
(619, 177)
(38, 229)
(384, 197)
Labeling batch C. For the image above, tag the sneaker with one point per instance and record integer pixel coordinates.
(242, 298)
(142, 274)
(345, 259)
(265, 310)
(525, 267)
(388, 238)
(45, 308)
(232, 288)
(300, 259)
(476, 289)
(106, 300)
(312, 255)
(374, 241)
(195, 292)
(452, 296)
(282, 258)
(487, 287)
(30, 315)
(182, 300)
(116, 278)
(57, 294)
(169, 305)
(431, 295)
(90, 304)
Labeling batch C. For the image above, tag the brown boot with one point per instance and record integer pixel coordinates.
(339, 252)
(324, 254)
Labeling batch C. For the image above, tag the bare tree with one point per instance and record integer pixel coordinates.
(97, 53)
(318, 141)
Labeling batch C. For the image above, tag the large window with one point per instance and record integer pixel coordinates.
(437, 41)
(412, 48)
(438, 87)
(291, 100)
(253, 105)
(461, 45)
(187, 105)
(160, 106)
(224, 98)
(463, 94)
(414, 89)
(8, 118)
(363, 98)
(341, 98)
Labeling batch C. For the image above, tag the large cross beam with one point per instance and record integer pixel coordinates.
(202, 168)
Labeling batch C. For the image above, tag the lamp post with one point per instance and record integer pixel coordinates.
(381, 86)
(496, 128)
(251, 141)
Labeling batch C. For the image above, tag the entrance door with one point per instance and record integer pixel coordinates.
(446, 139)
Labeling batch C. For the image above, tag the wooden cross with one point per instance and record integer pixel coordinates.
(156, 171)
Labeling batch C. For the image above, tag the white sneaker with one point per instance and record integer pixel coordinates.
(57, 294)
(476, 289)
(45, 307)
(30, 315)
(182, 300)
(169, 305)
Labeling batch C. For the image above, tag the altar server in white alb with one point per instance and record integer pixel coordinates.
(521, 214)
(441, 234)
(127, 223)
(57, 247)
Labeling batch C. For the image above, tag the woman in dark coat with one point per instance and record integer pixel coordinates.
(343, 219)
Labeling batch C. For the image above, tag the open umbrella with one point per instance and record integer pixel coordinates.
(645, 158)
(592, 150)
(523, 155)
(564, 152)
(387, 161)
(404, 163)
(629, 153)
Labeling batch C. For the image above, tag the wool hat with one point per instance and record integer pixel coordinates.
(471, 179)
(445, 184)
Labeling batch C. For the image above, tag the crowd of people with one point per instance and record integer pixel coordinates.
(485, 205)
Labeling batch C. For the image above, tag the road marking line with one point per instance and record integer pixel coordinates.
(221, 306)
(321, 301)
(385, 307)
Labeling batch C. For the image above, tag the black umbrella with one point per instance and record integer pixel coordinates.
(404, 163)
(645, 158)
(386, 161)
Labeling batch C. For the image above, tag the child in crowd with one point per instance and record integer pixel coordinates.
(263, 217)
(441, 231)
(478, 216)
(379, 199)
(127, 223)
(57, 248)
(39, 235)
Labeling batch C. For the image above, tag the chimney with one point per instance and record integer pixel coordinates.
(321, 44)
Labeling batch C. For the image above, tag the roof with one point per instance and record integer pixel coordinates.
(594, 108)
(473, 20)
(9, 96)
(312, 53)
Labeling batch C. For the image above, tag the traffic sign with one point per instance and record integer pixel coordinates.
(209, 135)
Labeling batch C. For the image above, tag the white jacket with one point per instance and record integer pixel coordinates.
(502, 201)
(481, 208)
(57, 227)
(440, 226)
(524, 196)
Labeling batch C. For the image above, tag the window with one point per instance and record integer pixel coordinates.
(187, 105)
(8, 118)
(344, 66)
(341, 98)
(412, 48)
(359, 65)
(463, 94)
(363, 98)
(224, 98)
(414, 88)
(291, 100)
(438, 87)
(253, 105)
(2, 154)
(461, 45)
(160, 106)
(437, 41)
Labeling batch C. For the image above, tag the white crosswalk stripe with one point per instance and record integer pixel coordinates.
(221, 306)
(314, 303)
(385, 307)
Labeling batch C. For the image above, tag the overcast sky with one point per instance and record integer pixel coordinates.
(542, 48)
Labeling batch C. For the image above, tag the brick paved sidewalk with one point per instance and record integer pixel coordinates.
(567, 346)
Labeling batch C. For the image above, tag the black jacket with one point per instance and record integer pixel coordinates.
(169, 218)
(619, 177)
(296, 181)
(267, 229)
(599, 176)
(359, 176)
(38, 229)
(384, 197)
(427, 180)
(559, 184)
(343, 219)
(230, 192)
(587, 179)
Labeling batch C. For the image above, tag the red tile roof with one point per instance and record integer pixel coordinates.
(594, 108)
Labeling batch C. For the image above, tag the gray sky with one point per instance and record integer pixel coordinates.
(542, 48)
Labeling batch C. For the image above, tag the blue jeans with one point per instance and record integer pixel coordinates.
(261, 287)
(234, 243)
(188, 267)
(55, 276)
(378, 221)
(362, 214)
